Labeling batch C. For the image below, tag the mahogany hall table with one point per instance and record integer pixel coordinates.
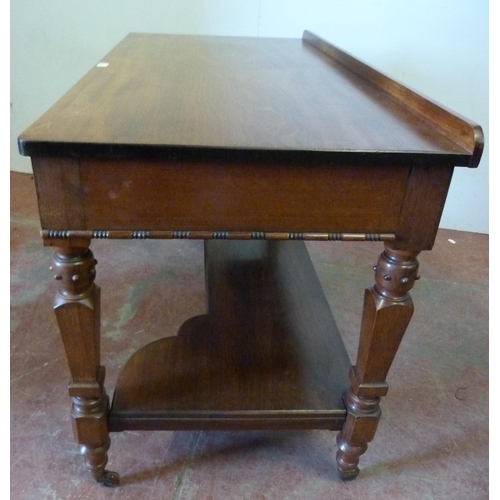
(253, 145)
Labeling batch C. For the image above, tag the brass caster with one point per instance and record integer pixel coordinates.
(109, 479)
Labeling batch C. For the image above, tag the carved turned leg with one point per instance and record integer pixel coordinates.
(387, 310)
(77, 308)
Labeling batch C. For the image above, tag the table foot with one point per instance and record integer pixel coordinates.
(346, 473)
(359, 429)
(347, 476)
(90, 430)
(96, 459)
(348, 459)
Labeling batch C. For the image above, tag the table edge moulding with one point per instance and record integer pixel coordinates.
(254, 145)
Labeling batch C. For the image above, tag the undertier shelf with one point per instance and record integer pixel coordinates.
(268, 354)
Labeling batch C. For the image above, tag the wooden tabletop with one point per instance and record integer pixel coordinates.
(172, 96)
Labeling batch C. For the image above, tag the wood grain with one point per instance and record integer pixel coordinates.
(77, 308)
(267, 355)
(464, 132)
(61, 178)
(207, 196)
(387, 310)
(176, 96)
(423, 205)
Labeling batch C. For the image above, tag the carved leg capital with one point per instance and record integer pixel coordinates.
(395, 274)
(74, 271)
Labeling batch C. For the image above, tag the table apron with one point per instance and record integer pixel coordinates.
(106, 195)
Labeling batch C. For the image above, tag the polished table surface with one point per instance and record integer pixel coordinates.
(246, 143)
(166, 95)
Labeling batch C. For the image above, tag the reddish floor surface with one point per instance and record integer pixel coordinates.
(432, 440)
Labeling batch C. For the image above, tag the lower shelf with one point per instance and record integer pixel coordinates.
(268, 354)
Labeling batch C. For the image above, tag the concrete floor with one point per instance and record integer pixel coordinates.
(432, 441)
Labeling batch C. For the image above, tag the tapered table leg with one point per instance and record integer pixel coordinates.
(77, 308)
(387, 310)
